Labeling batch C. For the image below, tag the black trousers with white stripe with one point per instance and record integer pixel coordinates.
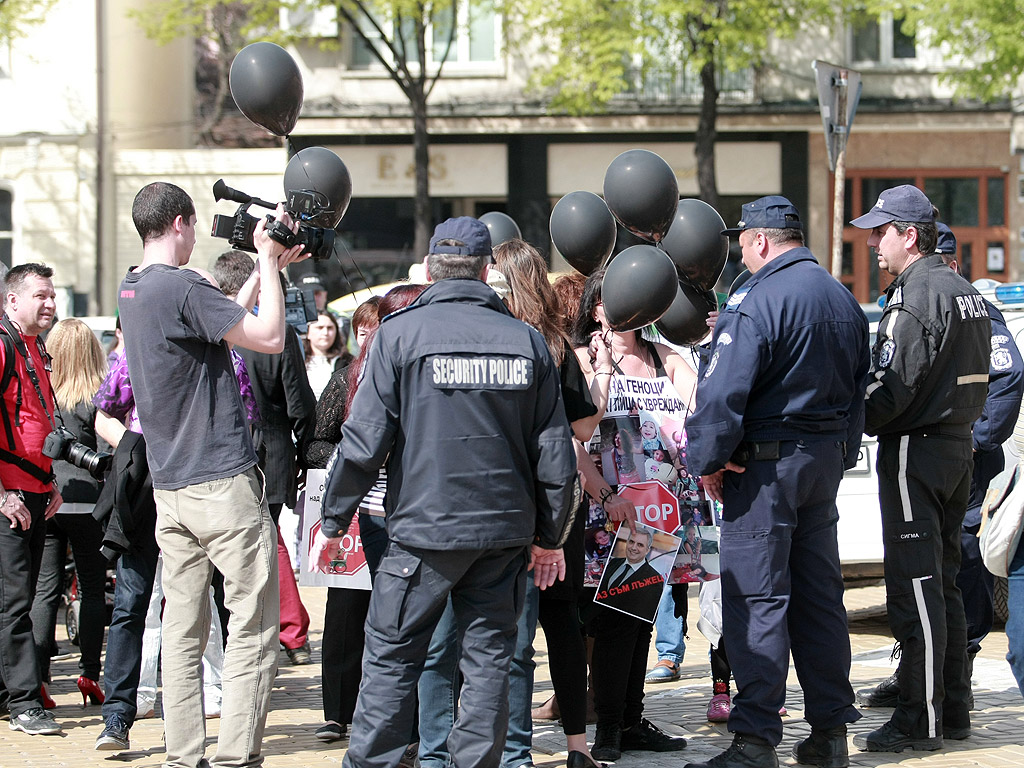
(923, 486)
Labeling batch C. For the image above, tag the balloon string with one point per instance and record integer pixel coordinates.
(366, 283)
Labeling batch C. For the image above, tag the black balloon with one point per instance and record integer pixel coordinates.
(696, 244)
(685, 321)
(639, 286)
(641, 191)
(318, 169)
(583, 230)
(267, 86)
(741, 278)
(501, 226)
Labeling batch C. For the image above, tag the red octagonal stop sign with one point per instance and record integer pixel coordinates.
(655, 504)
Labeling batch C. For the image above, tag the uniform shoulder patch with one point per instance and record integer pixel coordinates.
(735, 300)
(999, 340)
(1001, 359)
(886, 353)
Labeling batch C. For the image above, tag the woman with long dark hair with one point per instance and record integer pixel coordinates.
(621, 641)
(532, 300)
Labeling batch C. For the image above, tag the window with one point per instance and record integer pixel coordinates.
(6, 226)
(884, 39)
(476, 43)
(971, 201)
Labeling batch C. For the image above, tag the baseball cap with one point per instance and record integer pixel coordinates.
(472, 233)
(903, 203)
(771, 212)
(946, 242)
(312, 282)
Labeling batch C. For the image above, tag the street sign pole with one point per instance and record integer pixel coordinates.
(838, 96)
(839, 184)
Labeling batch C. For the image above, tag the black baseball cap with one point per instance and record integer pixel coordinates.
(771, 212)
(903, 203)
(946, 242)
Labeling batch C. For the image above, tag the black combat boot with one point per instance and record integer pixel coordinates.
(825, 747)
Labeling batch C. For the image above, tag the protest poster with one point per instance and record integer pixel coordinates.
(698, 557)
(351, 570)
(635, 574)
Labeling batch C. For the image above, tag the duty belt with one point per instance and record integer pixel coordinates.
(748, 450)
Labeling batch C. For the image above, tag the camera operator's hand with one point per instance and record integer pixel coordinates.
(267, 247)
(14, 509)
(55, 501)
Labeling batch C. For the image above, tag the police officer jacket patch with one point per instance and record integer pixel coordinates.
(886, 353)
(479, 372)
(1001, 360)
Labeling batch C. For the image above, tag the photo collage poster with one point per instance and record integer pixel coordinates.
(642, 437)
(635, 572)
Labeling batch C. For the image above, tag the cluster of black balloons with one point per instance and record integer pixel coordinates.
(266, 84)
(671, 283)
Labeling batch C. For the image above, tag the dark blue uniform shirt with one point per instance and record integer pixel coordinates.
(789, 360)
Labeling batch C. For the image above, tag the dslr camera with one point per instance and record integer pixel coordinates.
(62, 444)
(302, 205)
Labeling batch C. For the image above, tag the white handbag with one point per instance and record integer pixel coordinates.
(1002, 519)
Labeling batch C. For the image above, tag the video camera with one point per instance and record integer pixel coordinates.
(302, 205)
(300, 308)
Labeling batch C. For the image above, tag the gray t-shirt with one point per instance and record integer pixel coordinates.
(185, 388)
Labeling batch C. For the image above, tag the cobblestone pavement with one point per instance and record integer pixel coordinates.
(997, 740)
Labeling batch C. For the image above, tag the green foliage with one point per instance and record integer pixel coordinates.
(595, 43)
(249, 20)
(16, 16)
(988, 34)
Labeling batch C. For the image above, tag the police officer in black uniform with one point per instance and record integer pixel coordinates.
(928, 384)
(780, 409)
(991, 430)
(463, 404)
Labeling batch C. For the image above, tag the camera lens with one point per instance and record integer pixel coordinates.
(93, 462)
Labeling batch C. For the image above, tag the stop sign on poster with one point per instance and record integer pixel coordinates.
(351, 549)
(655, 504)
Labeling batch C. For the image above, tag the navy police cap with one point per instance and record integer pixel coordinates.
(903, 203)
(472, 233)
(946, 242)
(771, 212)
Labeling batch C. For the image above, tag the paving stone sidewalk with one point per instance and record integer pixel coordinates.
(997, 740)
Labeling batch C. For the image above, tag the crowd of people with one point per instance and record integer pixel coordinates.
(484, 429)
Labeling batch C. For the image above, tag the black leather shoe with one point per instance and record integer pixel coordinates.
(607, 743)
(645, 736)
(889, 738)
(745, 752)
(885, 694)
(956, 733)
(580, 760)
(825, 747)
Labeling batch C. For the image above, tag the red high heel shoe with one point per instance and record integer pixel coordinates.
(90, 691)
(48, 702)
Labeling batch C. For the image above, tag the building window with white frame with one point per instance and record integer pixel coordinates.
(884, 40)
(475, 46)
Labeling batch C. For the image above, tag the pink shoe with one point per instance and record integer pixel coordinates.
(719, 708)
(782, 711)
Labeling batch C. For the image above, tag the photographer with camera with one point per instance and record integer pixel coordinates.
(28, 496)
(79, 366)
(211, 505)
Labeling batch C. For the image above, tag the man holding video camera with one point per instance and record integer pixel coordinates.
(28, 497)
(211, 506)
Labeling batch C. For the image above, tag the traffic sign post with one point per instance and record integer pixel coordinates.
(839, 91)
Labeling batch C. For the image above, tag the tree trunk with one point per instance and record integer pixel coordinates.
(421, 160)
(705, 146)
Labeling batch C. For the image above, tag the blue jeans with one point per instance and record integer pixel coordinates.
(519, 740)
(135, 571)
(1015, 623)
(438, 691)
(669, 641)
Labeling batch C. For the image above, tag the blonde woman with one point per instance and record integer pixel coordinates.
(79, 366)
